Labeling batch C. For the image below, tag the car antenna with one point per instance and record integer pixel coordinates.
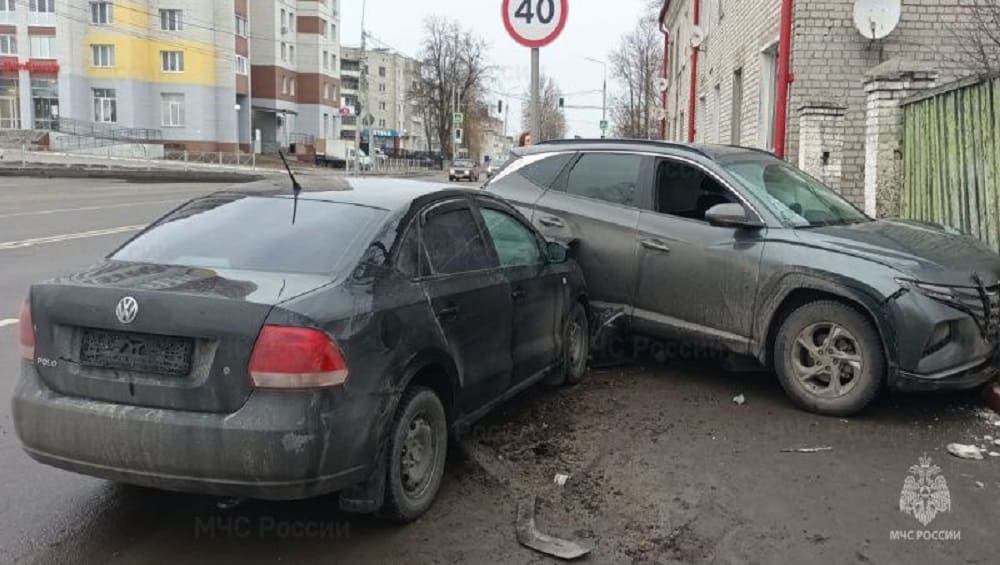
(296, 187)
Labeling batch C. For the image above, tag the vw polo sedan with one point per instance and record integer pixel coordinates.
(734, 249)
(232, 350)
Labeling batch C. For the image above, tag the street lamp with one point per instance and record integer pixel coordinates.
(604, 103)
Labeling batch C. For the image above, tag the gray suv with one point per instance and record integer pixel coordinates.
(734, 249)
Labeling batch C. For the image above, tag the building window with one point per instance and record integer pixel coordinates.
(291, 87)
(41, 6)
(381, 106)
(326, 91)
(102, 13)
(241, 65)
(172, 61)
(768, 92)
(102, 55)
(284, 85)
(381, 87)
(291, 54)
(381, 123)
(291, 22)
(105, 106)
(8, 44)
(333, 62)
(43, 46)
(242, 26)
(284, 52)
(324, 125)
(381, 72)
(736, 115)
(284, 21)
(322, 27)
(326, 60)
(8, 5)
(333, 32)
(172, 110)
(171, 20)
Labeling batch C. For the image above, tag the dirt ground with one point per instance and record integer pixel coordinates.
(664, 468)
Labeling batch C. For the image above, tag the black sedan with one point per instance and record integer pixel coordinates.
(231, 350)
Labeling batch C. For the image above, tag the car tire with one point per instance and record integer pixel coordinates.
(575, 351)
(419, 423)
(829, 359)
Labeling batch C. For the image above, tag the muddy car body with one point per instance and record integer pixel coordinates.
(287, 374)
(735, 250)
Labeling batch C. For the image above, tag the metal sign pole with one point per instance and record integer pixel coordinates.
(536, 114)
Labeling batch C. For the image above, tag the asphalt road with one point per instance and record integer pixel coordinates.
(664, 466)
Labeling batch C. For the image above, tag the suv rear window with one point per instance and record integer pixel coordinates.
(257, 234)
(544, 171)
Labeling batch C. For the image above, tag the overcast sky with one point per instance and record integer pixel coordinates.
(594, 27)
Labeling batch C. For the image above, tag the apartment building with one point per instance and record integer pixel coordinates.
(295, 57)
(189, 69)
(396, 120)
(735, 94)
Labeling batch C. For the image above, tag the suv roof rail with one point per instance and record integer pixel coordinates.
(650, 142)
(754, 149)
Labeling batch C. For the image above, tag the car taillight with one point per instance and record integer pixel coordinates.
(292, 358)
(26, 329)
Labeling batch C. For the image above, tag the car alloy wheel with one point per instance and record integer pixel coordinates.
(827, 360)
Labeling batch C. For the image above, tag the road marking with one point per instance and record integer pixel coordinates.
(65, 237)
(8, 322)
(86, 208)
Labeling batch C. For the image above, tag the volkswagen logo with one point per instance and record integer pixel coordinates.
(127, 310)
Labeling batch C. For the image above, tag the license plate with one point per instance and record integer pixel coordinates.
(143, 353)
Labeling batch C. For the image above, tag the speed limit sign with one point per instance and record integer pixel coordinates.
(535, 23)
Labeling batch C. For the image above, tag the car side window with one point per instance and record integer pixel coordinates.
(516, 245)
(543, 173)
(687, 191)
(611, 177)
(453, 242)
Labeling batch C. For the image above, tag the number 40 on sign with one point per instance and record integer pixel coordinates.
(535, 23)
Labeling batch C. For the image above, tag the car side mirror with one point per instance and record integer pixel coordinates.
(558, 253)
(730, 215)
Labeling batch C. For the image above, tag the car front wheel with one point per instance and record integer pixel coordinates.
(829, 358)
(418, 444)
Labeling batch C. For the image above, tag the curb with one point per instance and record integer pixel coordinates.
(134, 175)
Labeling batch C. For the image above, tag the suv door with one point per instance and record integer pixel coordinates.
(696, 281)
(537, 293)
(594, 207)
(470, 297)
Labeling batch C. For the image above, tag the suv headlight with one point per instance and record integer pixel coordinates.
(934, 291)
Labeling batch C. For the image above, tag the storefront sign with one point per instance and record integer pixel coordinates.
(32, 66)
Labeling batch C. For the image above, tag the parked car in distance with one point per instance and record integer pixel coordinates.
(229, 350)
(464, 169)
(732, 248)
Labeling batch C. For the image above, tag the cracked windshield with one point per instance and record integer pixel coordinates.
(499, 281)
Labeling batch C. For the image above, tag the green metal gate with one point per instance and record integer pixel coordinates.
(951, 157)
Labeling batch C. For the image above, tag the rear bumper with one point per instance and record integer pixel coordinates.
(277, 446)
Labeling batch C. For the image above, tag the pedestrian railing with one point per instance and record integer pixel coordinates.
(224, 158)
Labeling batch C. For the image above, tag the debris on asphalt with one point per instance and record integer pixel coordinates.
(993, 454)
(529, 536)
(561, 479)
(980, 484)
(740, 400)
(806, 449)
(963, 451)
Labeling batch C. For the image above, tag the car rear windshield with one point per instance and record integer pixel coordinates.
(257, 234)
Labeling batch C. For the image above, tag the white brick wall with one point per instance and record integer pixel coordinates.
(829, 61)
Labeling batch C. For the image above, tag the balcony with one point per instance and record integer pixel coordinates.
(8, 17)
(41, 18)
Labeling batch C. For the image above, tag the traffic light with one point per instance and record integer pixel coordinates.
(500, 107)
(562, 103)
(458, 135)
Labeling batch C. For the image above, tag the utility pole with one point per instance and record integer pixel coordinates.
(604, 102)
(536, 99)
(362, 95)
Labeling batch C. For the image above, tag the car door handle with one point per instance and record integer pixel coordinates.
(655, 245)
(449, 312)
(552, 222)
(518, 294)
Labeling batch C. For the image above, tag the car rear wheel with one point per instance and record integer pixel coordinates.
(829, 359)
(418, 444)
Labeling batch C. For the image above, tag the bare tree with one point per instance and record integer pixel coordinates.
(637, 64)
(980, 40)
(454, 64)
(553, 120)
